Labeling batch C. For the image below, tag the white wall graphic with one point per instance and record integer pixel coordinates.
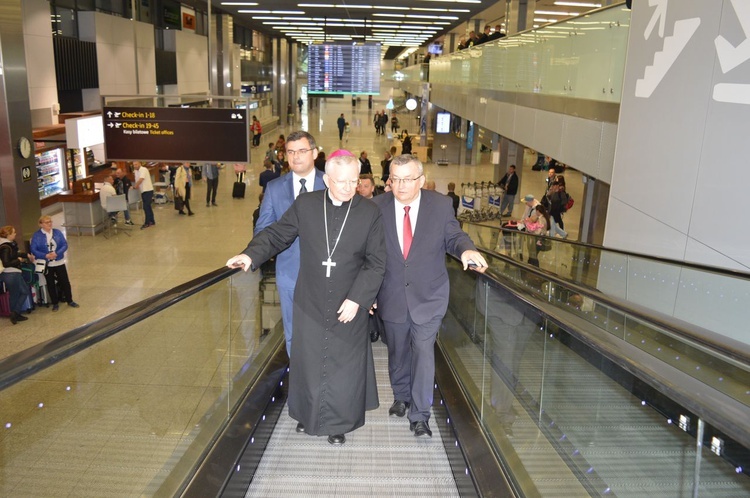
(730, 57)
(683, 31)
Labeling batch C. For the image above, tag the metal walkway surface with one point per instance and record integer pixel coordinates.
(382, 458)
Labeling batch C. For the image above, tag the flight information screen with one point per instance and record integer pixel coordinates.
(341, 68)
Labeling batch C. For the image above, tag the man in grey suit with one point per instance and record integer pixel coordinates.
(420, 228)
(279, 195)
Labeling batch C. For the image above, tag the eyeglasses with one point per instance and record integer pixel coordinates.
(345, 183)
(297, 152)
(405, 181)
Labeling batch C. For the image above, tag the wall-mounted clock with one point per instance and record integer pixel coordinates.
(24, 147)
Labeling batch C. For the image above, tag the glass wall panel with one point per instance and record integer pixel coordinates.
(583, 57)
(141, 406)
(566, 419)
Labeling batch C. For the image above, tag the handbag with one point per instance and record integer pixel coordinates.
(40, 265)
(543, 244)
(376, 326)
(179, 203)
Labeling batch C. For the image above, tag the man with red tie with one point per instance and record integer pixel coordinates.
(420, 228)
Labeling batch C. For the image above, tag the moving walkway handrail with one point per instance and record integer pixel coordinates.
(659, 259)
(25, 363)
(723, 411)
(732, 348)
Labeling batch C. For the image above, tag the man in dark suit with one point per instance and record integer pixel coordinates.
(509, 183)
(420, 228)
(280, 193)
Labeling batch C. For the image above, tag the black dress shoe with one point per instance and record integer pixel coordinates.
(398, 408)
(422, 428)
(337, 439)
(300, 427)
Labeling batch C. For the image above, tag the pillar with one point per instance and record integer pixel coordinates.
(519, 15)
(19, 197)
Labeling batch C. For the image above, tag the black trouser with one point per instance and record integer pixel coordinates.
(256, 139)
(58, 284)
(187, 199)
(212, 185)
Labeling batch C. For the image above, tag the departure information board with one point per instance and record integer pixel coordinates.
(342, 68)
(175, 134)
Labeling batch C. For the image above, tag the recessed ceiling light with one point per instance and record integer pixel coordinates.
(554, 13)
(578, 4)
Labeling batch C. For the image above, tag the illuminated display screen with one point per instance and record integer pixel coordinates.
(175, 134)
(344, 68)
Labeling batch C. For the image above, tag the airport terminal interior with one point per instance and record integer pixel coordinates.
(568, 369)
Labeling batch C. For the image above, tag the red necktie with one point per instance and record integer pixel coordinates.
(407, 232)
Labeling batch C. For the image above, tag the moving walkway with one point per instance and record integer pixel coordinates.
(545, 386)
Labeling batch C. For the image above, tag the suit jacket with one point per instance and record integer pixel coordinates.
(278, 197)
(419, 285)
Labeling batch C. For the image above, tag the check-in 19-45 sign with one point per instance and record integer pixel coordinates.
(175, 134)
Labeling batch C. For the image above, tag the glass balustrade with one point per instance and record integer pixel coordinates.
(568, 420)
(637, 279)
(134, 413)
(582, 58)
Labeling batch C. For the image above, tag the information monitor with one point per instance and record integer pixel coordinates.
(344, 68)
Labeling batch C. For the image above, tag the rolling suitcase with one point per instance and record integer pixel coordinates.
(4, 301)
(238, 191)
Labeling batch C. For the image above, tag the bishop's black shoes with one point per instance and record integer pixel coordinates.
(300, 428)
(421, 428)
(337, 439)
(398, 408)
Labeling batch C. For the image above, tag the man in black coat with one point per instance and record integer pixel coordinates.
(342, 262)
(509, 183)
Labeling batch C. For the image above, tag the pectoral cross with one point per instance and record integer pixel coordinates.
(328, 263)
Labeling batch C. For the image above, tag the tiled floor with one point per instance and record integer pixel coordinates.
(108, 274)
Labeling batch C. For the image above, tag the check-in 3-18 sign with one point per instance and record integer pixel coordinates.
(175, 134)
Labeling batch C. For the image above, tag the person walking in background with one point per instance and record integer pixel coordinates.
(385, 164)
(50, 244)
(341, 123)
(268, 174)
(146, 187)
(257, 131)
(279, 196)
(455, 198)
(211, 174)
(280, 144)
(394, 124)
(320, 161)
(183, 185)
(299, 104)
(12, 275)
(538, 224)
(347, 132)
(420, 228)
(364, 164)
(558, 199)
(122, 187)
(376, 122)
(509, 183)
(406, 143)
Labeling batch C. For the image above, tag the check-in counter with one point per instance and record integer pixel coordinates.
(83, 212)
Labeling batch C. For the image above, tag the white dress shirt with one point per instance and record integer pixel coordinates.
(309, 182)
(413, 214)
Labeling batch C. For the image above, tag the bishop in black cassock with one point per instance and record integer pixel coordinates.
(332, 373)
